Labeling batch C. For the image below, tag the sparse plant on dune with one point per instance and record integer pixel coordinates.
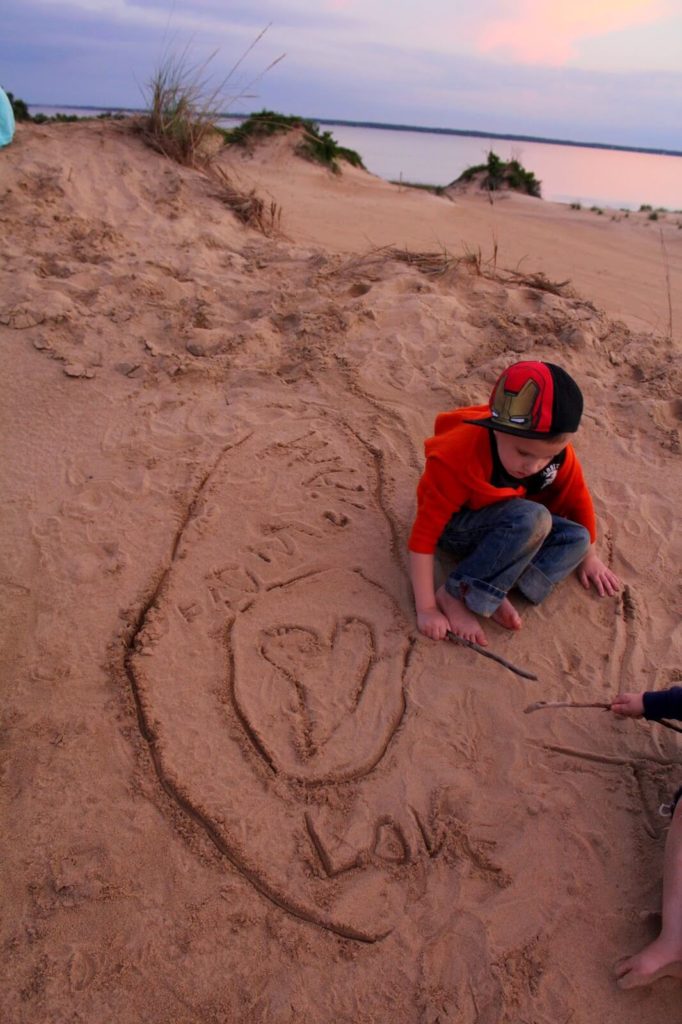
(432, 264)
(473, 258)
(495, 174)
(319, 146)
(436, 190)
(666, 267)
(181, 124)
(184, 105)
(540, 282)
(248, 207)
(182, 111)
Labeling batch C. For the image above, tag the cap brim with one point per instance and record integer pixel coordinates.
(492, 424)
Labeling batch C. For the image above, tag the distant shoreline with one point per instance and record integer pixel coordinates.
(462, 132)
(470, 133)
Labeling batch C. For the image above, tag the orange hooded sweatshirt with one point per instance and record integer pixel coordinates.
(458, 473)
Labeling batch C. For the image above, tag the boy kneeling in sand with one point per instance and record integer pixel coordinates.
(504, 493)
(662, 958)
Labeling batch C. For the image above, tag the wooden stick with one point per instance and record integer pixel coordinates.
(489, 654)
(540, 704)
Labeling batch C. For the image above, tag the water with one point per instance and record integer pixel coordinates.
(599, 177)
(569, 174)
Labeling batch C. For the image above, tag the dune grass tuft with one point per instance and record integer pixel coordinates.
(182, 110)
(181, 124)
(184, 105)
(248, 207)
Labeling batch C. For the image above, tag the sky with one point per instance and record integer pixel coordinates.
(589, 70)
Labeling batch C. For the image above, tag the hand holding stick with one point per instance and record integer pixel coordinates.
(539, 705)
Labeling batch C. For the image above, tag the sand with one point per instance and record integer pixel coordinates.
(238, 785)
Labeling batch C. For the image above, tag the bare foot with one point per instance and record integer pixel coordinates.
(462, 622)
(507, 615)
(653, 962)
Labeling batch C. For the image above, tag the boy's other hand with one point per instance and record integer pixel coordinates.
(433, 623)
(630, 704)
(593, 571)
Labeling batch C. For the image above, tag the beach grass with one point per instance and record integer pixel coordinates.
(184, 105)
(182, 110)
(181, 124)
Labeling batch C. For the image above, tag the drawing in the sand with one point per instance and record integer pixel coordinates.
(269, 707)
(318, 688)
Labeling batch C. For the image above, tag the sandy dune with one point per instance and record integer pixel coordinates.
(238, 786)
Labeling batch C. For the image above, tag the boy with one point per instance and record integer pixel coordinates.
(503, 491)
(662, 957)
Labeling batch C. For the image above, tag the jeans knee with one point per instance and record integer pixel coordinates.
(534, 519)
(583, 541)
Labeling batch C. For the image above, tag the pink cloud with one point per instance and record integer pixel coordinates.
(542, 32)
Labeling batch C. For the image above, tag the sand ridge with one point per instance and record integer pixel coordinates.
(240, 786)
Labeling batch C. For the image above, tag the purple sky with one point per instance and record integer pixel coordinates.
(591, 70)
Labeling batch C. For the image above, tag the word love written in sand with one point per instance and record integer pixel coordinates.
(271, 686)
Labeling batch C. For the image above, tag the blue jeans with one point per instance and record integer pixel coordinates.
(513, 543)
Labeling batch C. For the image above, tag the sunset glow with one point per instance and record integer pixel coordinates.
(541, 32)
(596, 70)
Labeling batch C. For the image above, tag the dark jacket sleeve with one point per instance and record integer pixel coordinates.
(660, 704)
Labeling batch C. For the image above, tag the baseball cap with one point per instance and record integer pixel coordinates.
(534, 399)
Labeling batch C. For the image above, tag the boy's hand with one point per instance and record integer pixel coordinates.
(630, 704)
(433, 623)
(593, 571)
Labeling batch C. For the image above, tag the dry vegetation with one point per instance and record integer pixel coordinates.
(181, 124)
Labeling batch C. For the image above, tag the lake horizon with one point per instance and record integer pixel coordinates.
(591, 174)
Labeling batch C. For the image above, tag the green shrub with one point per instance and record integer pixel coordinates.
(19, 108)
(497, 174)
(263, 124)
(56, 118)
(522, 180)
(315, 145)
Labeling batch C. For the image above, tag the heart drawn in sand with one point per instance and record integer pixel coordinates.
(325, 676)
(318, 669)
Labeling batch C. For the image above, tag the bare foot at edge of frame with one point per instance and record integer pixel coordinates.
(507, 615)
(649, 965)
